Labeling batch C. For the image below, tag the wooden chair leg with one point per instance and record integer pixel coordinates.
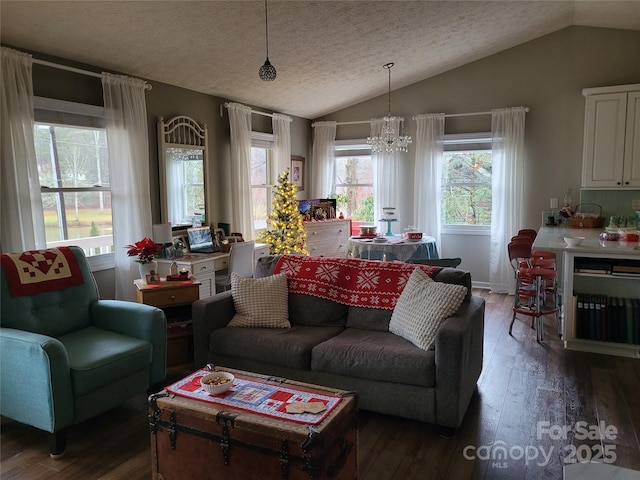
(57, 443)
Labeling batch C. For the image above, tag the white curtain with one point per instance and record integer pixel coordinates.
(281, 143)
(324, 159)
(507, 179)
(128, 139)
(428, 174)
(386, 178)
(20, 201)
(241, 197)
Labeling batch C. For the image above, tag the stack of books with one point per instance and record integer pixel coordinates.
(598, 266)
(607, 266)
(607, 319)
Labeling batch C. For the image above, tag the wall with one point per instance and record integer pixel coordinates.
(546, 75)
(166, 101)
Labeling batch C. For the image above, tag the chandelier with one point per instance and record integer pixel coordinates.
(390, 135)
(267, 71)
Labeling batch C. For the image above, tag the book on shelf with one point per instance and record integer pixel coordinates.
(607, 319)
(595, 271)
(593, 265)
(625, 270)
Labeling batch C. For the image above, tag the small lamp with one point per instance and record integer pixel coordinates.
(163, 235)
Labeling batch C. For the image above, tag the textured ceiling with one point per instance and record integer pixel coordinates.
(328, 54)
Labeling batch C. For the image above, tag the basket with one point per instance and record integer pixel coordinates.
(586, 219)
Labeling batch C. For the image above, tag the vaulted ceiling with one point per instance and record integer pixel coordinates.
(328, 54)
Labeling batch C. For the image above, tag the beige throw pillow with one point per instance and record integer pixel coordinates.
(422, 307)
(260, 302)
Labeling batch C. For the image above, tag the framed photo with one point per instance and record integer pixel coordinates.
(180, 246)
(153, 279)
(297, 172)
(218, 236)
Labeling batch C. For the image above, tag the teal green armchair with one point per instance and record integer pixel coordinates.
(66, 355)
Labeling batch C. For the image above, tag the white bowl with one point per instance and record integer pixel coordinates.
(217, 382)
(573, 241)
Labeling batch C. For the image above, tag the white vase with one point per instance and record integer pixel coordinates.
(148, 269)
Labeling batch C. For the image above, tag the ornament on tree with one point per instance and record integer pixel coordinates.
(287, 233)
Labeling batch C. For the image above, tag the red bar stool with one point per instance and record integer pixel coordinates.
(542, 259)
(534, 302)
(542, 254)
(528, 232)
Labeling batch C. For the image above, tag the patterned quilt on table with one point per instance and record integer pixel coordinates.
(354, 282)
(38, 271)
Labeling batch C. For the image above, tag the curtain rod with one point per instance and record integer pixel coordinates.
(147, 86)
(446, 115)
(348, 123)
(257, 112)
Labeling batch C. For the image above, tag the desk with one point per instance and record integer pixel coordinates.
(204, 266)
(395, 248)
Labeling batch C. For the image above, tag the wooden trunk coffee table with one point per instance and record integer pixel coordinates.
(194, 438)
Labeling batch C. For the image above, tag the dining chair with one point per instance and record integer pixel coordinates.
(241, 261)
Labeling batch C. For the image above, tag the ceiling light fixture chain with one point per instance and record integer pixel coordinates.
(267, 71)
(391, 136)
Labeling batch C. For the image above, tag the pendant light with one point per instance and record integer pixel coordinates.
(391, 136)
(267, 71)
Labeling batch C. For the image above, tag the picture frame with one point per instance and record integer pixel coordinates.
(218, 236)
(180, 246)
(297, 172)
(153, 279)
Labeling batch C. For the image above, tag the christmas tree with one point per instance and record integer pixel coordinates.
(287, 234)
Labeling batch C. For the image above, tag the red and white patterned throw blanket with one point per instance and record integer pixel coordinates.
(38, 271)
(350, 281)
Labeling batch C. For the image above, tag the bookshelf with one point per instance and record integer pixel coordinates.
(602, 303)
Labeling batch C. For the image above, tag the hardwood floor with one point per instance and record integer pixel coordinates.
(522, 383)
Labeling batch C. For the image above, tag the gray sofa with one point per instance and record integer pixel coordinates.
(351, 348)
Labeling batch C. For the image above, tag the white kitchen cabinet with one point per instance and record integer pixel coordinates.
(611, 151)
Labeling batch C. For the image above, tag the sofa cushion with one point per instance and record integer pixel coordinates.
(305, 309)
(456, 277)
(262, 302)
(423, 306)
(97, 357)
(369, 318)
(375, 355)
(265, 265)
(289, 347)
(309, 310)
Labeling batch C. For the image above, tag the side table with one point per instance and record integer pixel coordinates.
(175, 299)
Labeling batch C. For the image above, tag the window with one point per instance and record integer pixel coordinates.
(73, 170)
(354, 181)
(262, 180)
(466, 181)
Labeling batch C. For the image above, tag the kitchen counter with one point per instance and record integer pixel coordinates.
(552, 239)
(572, 284)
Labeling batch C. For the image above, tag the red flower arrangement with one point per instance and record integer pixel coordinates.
(145, 249)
